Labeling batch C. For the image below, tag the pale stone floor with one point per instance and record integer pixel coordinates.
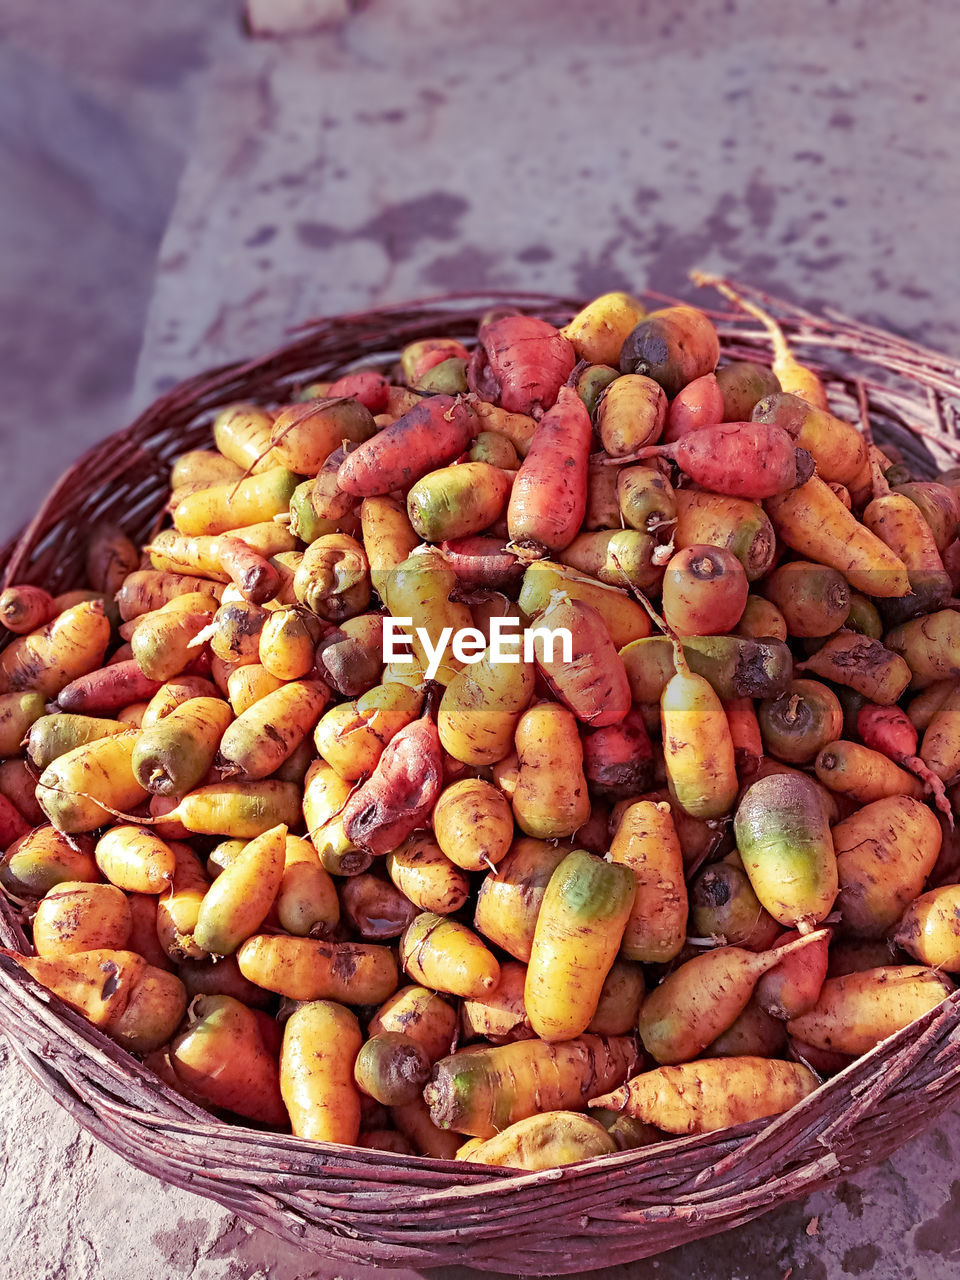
(810, 149)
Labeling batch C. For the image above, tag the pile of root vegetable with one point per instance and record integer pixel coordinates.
(517, 912)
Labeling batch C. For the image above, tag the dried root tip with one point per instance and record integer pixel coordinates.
(933, 784)
(705, 279)
(616, 1101)
(433, 692)
(880, 485)
(529, 551)
(201, 638)
(22, 903)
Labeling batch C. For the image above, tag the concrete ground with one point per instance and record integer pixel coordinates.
(97, 101)
(810, 149)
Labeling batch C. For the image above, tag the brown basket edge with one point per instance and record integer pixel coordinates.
(660, 1220)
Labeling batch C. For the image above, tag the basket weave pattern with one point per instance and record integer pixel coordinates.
(357, 1205)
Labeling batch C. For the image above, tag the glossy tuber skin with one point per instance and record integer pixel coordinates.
(521, 363)
(432, 434)
(401, 791)
(741, 459)
(704, 591)
(549, 496)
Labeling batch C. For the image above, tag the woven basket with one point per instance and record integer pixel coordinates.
(356, 1205)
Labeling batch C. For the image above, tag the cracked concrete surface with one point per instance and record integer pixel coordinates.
(420, 148)
(417, 154)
